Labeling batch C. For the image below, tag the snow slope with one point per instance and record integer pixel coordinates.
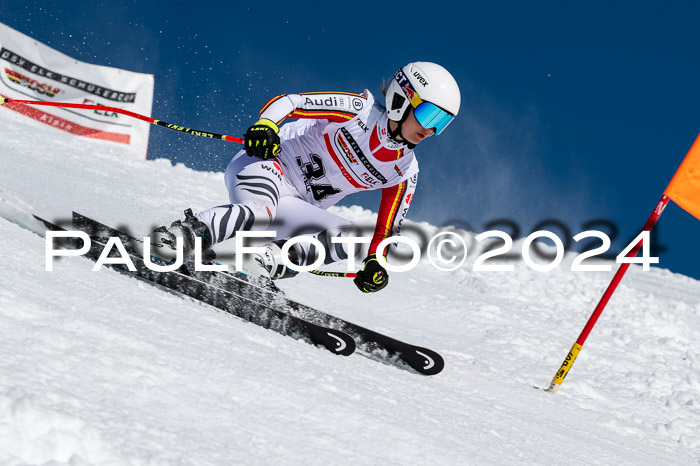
(101, 368)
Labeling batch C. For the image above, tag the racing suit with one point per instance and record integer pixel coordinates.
(339, 145)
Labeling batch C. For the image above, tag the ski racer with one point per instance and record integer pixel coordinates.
(287, 176)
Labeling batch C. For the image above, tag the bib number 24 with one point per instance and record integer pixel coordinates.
(314, 171)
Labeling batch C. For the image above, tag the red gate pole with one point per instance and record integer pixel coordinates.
(573, 353)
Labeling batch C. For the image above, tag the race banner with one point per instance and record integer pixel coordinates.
(30, 70)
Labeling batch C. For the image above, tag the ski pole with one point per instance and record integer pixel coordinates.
(182, 129)
(334, 274)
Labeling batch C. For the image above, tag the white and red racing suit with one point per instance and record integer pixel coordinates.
(339, 145)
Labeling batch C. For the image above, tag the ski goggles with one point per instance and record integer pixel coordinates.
(431, 116)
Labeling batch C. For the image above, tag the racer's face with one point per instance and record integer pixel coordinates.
(412, 131)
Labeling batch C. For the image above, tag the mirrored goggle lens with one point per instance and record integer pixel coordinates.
(431, 116)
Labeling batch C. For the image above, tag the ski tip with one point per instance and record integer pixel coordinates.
(425, 361)
(339, 342)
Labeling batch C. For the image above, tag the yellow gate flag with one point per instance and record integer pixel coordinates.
(684, 188)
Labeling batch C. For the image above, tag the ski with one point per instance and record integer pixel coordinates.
(256, 312)
(377, 345)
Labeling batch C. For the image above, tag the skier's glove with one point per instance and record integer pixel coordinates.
(372, 277)
(262, 141)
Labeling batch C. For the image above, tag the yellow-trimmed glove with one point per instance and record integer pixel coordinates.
(373, 277)
(262, 140)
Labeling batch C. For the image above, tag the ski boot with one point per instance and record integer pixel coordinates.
(163, 240)
(271, 261)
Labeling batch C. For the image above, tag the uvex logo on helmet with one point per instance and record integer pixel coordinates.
(420, 78)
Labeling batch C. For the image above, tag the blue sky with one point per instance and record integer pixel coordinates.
(572, 112)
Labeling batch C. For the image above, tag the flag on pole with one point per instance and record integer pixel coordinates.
(684, 188)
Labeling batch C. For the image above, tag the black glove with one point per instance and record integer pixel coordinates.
(372, 277)
(262, 141)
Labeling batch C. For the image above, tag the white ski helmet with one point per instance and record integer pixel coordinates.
(428, 83)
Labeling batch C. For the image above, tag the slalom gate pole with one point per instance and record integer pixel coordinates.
(182, 129)
(573, 353)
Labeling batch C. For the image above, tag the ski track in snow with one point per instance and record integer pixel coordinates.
(101, 368)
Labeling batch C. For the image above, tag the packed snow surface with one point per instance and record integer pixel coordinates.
(101, 368)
